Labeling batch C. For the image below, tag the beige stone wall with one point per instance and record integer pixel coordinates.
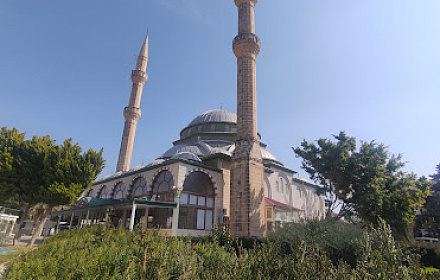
(247, 192)
(299, 195)
(247, 184)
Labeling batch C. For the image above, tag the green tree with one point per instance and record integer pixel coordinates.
(39, 171)
(328, 164)
(429, 218)
(436, 179)
(13, 194)
(10, 144)
(403, 195)
(366, 183)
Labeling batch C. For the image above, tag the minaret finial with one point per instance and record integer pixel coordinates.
(132, 112)
(142, 59)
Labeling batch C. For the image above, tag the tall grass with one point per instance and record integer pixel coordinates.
(97, 253)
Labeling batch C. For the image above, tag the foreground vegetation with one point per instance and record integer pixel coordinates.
(12, 255)
(364, 182)
(98, 253)
(39, 171)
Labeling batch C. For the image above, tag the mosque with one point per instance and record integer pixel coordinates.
(217, 172)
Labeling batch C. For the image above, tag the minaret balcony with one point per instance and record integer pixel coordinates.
(246, 45)
(139, 76)
(132, 113)
(238, 3)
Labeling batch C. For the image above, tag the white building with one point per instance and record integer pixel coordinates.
(187, 189)
(218, 171)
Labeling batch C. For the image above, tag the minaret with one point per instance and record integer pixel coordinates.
(247, 194)
(132, 112)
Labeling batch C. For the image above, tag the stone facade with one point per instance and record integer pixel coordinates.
(247, 194)
(217, 172)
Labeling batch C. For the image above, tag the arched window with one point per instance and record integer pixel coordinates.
(197, 202)
(282, 185)
(267, 187)
(162, 190)
(139, 188)
(120, 191)
(105, 192)
(163, 186)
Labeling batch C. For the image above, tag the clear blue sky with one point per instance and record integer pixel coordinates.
(371, 68)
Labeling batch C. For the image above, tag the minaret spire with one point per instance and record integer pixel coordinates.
(142, 59)
(132, 112)
(247, 192)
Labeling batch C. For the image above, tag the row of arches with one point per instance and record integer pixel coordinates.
(196, 199)
(161, 187)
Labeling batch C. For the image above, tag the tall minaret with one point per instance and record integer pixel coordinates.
(247, 191)
(132, 112)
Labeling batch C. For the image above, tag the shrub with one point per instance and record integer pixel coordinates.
(97, 253)
(429, 253)
(340, 241)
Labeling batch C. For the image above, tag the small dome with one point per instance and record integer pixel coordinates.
(269, 156)
(156, 162)
(192, 148)
(303, 179)
(135, 168)
(215, 116)
(186, 155)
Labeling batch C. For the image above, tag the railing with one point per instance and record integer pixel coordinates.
(9, 211)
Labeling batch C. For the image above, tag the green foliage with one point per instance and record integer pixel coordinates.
(39, 171)
(99, 253)
(220, 235)
(429, 219)
(367, 182)
(340, 241)
(436, 178)
(403, 195)
(12, 255)
(329, 165)
(11, 142)
(429, 253)
(427, 270)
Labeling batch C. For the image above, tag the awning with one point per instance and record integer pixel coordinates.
(93, 203)
(271, 202)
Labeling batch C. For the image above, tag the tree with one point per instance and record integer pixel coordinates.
(12, 146)
(328, 164)
(429, 218)
(10, 142)
(366, 183)
(39, 171)
(436, 179)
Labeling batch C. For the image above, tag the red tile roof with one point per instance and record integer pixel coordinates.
(271, 202)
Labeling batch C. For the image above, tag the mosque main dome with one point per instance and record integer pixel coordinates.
(222, 116)
(211, 133)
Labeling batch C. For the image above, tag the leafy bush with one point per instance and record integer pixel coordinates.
(99, 253)
(340, 241)
(429, 253)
